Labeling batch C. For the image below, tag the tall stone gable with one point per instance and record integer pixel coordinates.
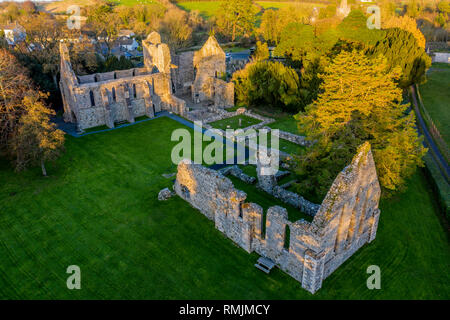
(200, 74)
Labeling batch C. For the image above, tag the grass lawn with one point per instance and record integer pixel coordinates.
(281, 4)
(207, 9)
(98, 209)
(233, 122)
(436, 96)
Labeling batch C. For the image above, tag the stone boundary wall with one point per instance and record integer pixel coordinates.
(295, 200)
(345, 221)
(237, 172)
(300, 140)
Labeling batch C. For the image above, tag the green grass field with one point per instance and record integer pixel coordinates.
(98, 209)
(436, 96)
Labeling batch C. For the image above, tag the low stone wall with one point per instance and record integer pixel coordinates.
(295, 200)
(300, 140)
(237, 172)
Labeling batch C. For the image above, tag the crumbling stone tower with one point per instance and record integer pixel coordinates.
(200, 74)
(346, 220)
(118, 96)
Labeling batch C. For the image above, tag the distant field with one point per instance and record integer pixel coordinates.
(279, 5)
(208, 9)
(61, 6)
(436, 97)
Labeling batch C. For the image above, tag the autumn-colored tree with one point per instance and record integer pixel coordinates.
(83, 57)
(175, 28)
(273, 22)
(14, 85)
(296, 41)
(406, 23)
(236, 18)
(269, 28)
(29, 7)
(261, 52)
(412, 8)
(354, 28)
(360, 101)
(44, 32)
(104, 22)
(36, 139)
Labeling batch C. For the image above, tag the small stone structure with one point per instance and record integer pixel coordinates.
(443, 57)
(199, 73)
(164, 194)
(111, 97)
(346, 220)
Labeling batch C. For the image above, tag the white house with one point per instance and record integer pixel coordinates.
(128, 44)
(14, 33)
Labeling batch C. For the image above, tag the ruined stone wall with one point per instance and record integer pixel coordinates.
(122, 95)
(199, 74)
(183, 75)
(347, 219)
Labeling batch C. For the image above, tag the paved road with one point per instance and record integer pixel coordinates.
(242, 55)
(428, 140)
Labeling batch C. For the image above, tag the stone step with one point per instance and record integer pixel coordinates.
(262, 268)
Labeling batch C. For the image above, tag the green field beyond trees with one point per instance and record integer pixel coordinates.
(209, 9)
(98, 209)
(436, 96)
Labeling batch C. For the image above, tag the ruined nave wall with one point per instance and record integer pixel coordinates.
(347, 219)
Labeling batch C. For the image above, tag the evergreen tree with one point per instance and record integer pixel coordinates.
(401, 49)
(236, 18)
(360, 101)
(268, 83)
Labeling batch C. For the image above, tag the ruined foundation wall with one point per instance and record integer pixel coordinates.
(347, 219)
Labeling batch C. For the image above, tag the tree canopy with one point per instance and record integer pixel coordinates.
(360, 101)
(236, 18)
(400, 48)
(268, 83)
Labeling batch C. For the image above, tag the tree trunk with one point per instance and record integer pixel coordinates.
(44, 172)
(234, 32)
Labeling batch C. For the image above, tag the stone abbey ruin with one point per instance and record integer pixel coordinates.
(191, 84)
(123, 95)
(345, 221)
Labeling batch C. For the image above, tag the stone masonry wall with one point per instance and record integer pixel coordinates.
(346, 220)
(199, 74)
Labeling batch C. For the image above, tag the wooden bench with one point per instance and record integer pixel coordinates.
(265, 264)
